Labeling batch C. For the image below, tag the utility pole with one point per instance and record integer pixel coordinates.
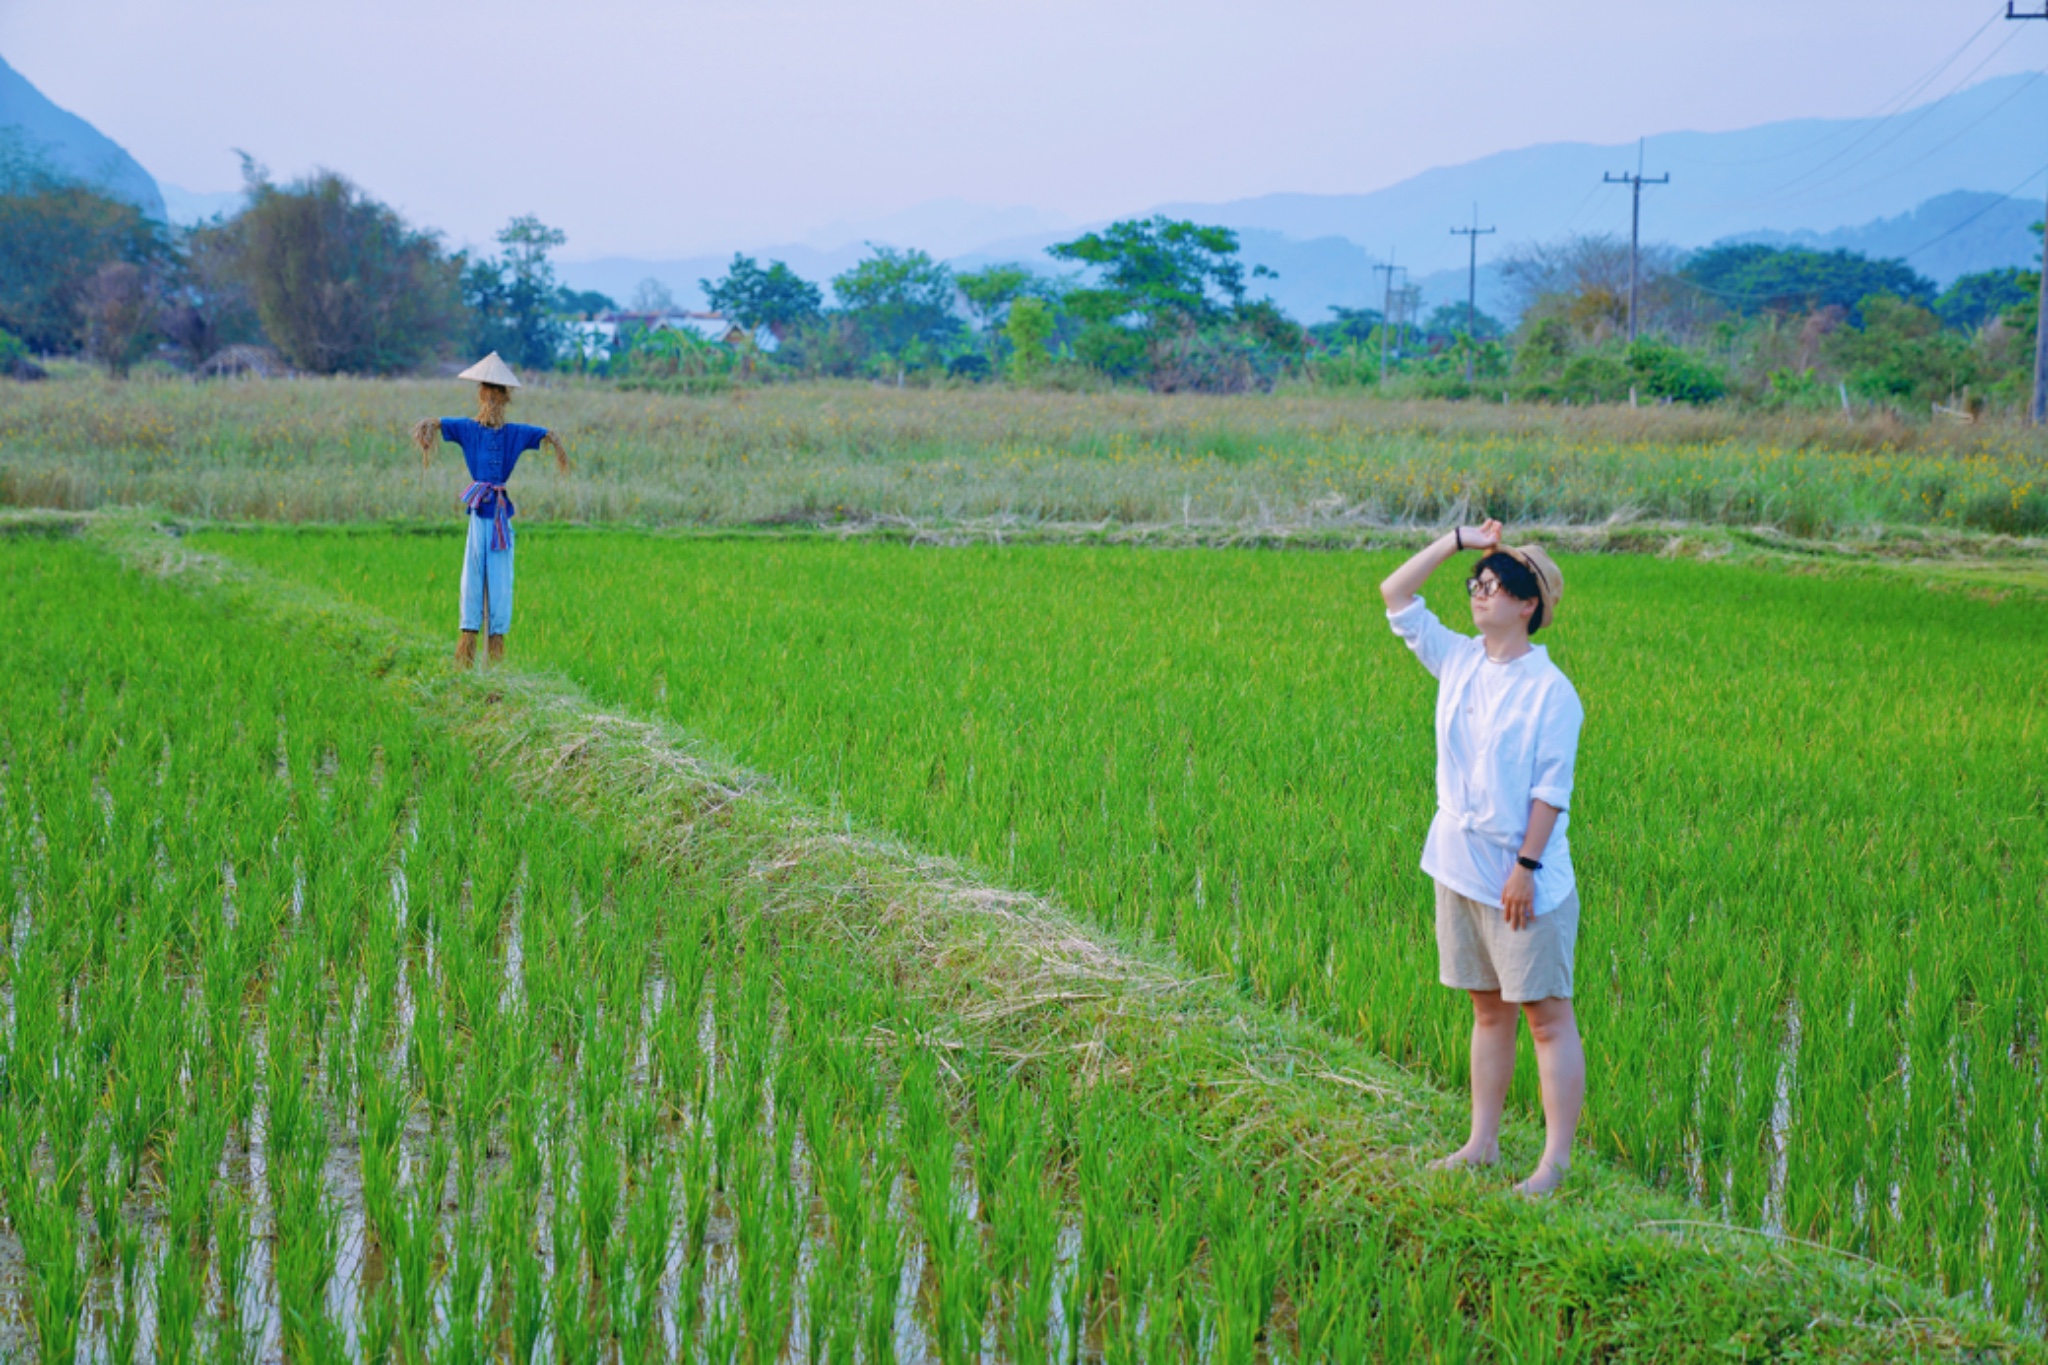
(1635, 227)
(2038, 412)
(1386, 311)
(1473, 234)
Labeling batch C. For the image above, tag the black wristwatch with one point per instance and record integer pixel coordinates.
(1528, 862)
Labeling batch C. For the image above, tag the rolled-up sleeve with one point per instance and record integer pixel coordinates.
(1557, 748)
(1430, 638)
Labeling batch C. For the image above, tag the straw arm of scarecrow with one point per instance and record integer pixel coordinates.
(426, 434)
(554, 443)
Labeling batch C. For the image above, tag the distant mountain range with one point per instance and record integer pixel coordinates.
(1951, 186)
(31, 126)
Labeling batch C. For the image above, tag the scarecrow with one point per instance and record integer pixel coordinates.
(491, 446)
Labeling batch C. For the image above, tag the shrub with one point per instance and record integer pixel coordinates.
(1594, 377)
(1665, 371)
(1028, 331)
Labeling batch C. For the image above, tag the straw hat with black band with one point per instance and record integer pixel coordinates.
(1549, 580)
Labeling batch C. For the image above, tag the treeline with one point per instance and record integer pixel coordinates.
(315, 271)
(1168, 305)
(334, 282)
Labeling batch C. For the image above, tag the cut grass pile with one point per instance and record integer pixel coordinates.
(440, 1017)
(335, 450)
(1810, 823)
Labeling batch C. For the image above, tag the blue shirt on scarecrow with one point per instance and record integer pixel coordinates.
(491, 453)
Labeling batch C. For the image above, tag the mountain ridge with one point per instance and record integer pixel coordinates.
(68, 145)
(1866, 184)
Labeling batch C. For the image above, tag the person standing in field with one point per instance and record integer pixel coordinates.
(491, 447)
(1507, 906)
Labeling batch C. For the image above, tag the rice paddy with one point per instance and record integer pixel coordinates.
(865, 950)
(322, 1044)
(354, 1011)
(1811, 819)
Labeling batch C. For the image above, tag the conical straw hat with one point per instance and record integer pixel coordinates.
(491, 370)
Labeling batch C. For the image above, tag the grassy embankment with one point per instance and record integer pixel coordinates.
(335, 450)
(1230, 1169)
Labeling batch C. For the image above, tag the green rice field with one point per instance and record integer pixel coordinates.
(355, 1010)
(324, 1044)
(1811, 820)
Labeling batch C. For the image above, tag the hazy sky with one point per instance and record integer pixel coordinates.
(659, 129)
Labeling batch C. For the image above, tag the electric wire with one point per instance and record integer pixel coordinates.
(1958, 227)
(1962, 132)
(1886, 109)
(1799, 187)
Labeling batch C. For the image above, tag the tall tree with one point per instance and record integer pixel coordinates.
(513, 297)
(990, 291)
(776, 298)
(119, 306)
(1162, 269)
(898, 299)
(340, 281)
(207, 303)
(55, 235)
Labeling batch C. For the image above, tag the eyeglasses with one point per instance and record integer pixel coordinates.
(1481, 588)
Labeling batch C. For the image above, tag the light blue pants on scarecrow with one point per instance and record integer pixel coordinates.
(483, 567)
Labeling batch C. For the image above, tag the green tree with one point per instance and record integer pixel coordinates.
(990, 293)
(583, 302)
(1448, 320)
(1162, 270)
(207, 304)
(512, 298)
(1351, 327)
(55, 235)
(1978, 300)
(119, 307)
(1752, 278)
(901, 301)
(776, 298)
(340, 281)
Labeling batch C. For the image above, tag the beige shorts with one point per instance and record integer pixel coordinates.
(1477, 951)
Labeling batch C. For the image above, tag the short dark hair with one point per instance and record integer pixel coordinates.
(1516, 580)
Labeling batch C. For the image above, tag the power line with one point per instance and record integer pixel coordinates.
(1919, 115)
(1635, 229)
(1958, 227)
(1956, 136)
(1804, 183)
(1885, 111)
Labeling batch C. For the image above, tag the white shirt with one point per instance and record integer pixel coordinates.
(1506, 734)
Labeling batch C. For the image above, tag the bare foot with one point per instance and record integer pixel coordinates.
(1543, 1180)
(1467, 1158)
